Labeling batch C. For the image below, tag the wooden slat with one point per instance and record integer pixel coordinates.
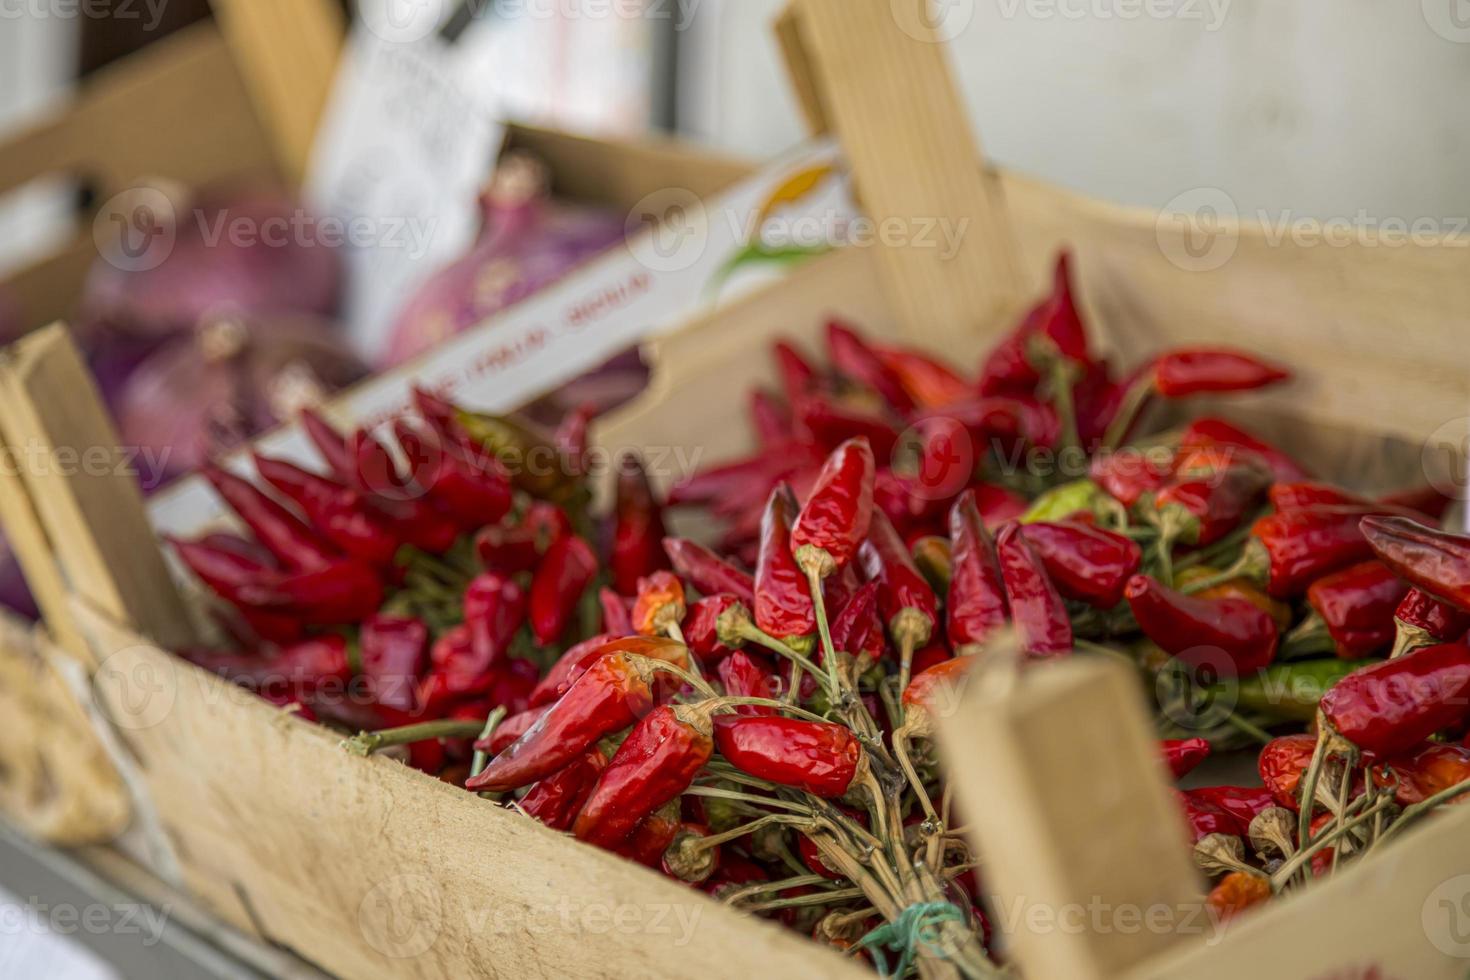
(1058, 773)
(286, 51)
(887, 93)
(72, 465)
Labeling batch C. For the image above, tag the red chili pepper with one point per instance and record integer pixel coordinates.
(1429, 770)
(1426, 500)
(854, 359)
(456, 672)
(1055, 323)
(857, 630)
(1392, 706)
(494, 609)
(1357, 605)
(908, 503)
(707, 572)
(467, 484)
(1282, 764)
(838, 511)
(336, 512)
(910, 609)
(1306, 495)
(1423, 620)
(1086, 563)
(571, 438)
(655, 764)
(770, 419)
(1233, 637)
(563, 575)
(739, 483)
(798, 377)
(1208, 496)
(1195, 371)
(1432, 561)
(299, 670)
(292, 542)
(708, 628)
(1211, 431)
(1243, 803)
(1184, 755)
(617, 613)
(1289, 551)
(976, 605)
(930, 383)
(393, 650)
(1036, 607)
(811, 856)
(557, 799)
(745, 674)
(510, 731)
(1237, 892)
(340, 593)
(574, 663)
(332, 446)
(1205, 818)
(638, 528)
(376, 475)
(1128, 474)
(513, 548)
(612, 694)
(660, 604)
(225, 562)
(815, 757)
(934, 693)
(827, 425)
(783, 602)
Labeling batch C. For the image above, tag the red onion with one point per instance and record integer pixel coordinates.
(250, 252)
(218, 386)
(526, 243)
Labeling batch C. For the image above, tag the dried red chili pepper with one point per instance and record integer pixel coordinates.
(707, 572)
(1086, 563)
(455, 672)
(563, 575)
(855, 360)
(334, 511)
(1184, 755)
(660, 604)
(1423, 621)
(494, 609)
(225, 562)
(934, 693)
(1306, 494)
(1211, 431)
(292, 542)
(298, 670)
(1128, 474)
(976, 604)
(798, 377)
(652, 836)
(741, 483)
(574, 663)
(617, 613)
(827, 425)
(1036, 607)
(571, 438)
(340, 593)
(1237, 892)
(510, 548)
(1355, 608)
(710, 628)
(1289, 551)
(837, 514)
(1195, 371)
(1432, 561)
(1208, 496)
(1427, 771)
(332, 446)
(1282, 763)
(638, 528)
(511, 730)
(1427, 500)
(612, 694)
(783, 602)
(1204, 819)
(469, 486)
(392, 655)
(814, 757)
(930, 383)
(1243, 803)
(655, 764)
(1055, 324)
(770, 419)
(745, 674)
(910, 609)
(857, 630)
(557, 799)
(1392, 706)
(1233, 637)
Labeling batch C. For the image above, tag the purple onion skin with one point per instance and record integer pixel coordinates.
(522, 249)
(216, 268)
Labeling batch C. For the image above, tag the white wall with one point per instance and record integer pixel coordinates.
(1318, 106)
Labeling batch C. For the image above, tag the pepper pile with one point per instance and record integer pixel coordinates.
(757, 718)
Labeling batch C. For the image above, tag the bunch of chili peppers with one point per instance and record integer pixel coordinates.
(756, 717)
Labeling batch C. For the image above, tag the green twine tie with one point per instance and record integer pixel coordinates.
(919, 923)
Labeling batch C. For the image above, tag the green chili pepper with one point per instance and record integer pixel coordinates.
(1063, 501)
(1288, 691)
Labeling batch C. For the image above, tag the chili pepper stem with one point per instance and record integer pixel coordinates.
(716, 792)
(1250, 728)
(1308, 788)
(754, 634)
(761, 887)
(1250, 566)
(905, 665)
(1310, 636)
(696, 682)
(834, 677)
(901, 753)
(1408, 639)
(1300, 860)
(1207, 556)
(735, 833)
(366, 743)
(726, 700)
(1134, 400)
(800, 901)
(478, 760)
(1416, 811)
(1063, 372)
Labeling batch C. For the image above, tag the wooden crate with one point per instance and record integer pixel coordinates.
(367, 868)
